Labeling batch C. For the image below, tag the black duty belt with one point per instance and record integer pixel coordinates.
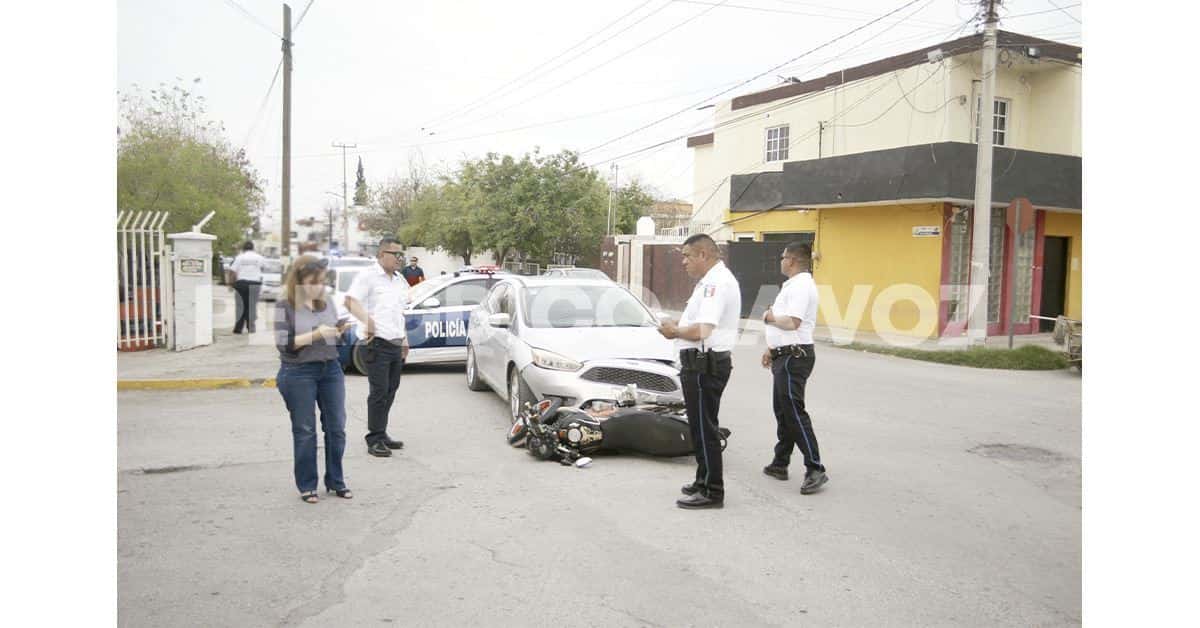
(795, 351)
(702, 361)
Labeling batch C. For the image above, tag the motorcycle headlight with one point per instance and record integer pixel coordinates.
(549, 360)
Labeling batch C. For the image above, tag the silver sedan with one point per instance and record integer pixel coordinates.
(580, 340)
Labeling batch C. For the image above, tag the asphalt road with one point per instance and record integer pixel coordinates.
(954, 499)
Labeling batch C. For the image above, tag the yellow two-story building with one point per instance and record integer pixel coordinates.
(875, 166)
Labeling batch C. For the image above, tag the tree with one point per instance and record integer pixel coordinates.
(171, 158)
(630, 203)
(360, 187)
(390, 203)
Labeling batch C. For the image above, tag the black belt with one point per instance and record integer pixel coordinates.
(716, 355)
(796, 351)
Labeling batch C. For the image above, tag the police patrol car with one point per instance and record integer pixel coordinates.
(436, 320)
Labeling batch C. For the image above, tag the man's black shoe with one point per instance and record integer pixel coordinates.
(393, 444)
(779, 473)
(690, 489)
(379, 449)
(813, 481)
(698, 501)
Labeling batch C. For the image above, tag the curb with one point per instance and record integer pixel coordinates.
(210, 383)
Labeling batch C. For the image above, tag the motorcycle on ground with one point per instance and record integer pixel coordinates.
(549, 431)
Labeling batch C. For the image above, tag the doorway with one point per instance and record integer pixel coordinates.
(1054, 279)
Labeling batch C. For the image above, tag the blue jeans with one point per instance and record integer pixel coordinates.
(304, 388)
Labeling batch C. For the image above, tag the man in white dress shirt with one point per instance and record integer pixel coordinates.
(789, 324)
(378, 297)
(705, 336)
(247, 272)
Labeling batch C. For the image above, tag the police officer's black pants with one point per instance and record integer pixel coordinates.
(793, 425)
(702, 399)
(383, 376)
(247, 304)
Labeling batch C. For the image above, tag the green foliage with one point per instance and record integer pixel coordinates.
(360, 186)
(171, 158)
(630, 203)
(526, 208)
(1027, 358)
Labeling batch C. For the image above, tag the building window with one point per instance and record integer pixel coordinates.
(804, 237)
(1000, 120)
(777, 143)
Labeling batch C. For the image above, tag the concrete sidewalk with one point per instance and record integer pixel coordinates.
(244, 356)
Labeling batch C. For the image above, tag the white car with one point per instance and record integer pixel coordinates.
(272, 280)
(576, 273)
(579, 340)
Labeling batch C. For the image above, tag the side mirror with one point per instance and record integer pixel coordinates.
(499, 320)
(431, 303)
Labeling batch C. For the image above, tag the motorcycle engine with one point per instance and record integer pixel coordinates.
(542, 443)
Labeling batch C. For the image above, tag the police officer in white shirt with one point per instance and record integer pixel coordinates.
(247, 271)
(378, 297)
(705, 336)
(789, 327)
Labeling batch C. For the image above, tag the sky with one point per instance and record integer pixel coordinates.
(436, 82)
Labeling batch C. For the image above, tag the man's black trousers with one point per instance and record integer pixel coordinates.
(247, 304)
(383, 375)
(793, 425)
(702, 399)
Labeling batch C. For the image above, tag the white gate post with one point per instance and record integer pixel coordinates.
(193, 298)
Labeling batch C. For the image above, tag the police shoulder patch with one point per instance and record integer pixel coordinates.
(710, 291)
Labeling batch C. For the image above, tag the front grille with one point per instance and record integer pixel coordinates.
(624, 377)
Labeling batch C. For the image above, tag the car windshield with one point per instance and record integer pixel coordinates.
(421, 291)
(584, 306)
(272, 266)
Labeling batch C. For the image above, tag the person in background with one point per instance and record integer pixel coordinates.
(246, 270)
(413, 274)
(310, 376)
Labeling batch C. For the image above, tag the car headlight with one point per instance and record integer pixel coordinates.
(554, 361)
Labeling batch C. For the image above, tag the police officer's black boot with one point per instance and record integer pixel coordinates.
(813, 481)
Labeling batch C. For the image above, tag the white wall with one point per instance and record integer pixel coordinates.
(434, 262)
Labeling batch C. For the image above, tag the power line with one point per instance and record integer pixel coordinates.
(263, 106)
(1069, 6)
(302, 14)
(768, 71)
(1064, 10)
(801, 13)
(252, 18)
(474, 104)
(597, 67)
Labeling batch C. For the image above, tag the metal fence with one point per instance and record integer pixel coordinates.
(141, 276)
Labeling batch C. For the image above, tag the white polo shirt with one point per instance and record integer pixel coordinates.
(385, 297)
(248, 266)
(798, 298)
(716, 300)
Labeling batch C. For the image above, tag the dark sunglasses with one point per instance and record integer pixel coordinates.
(399, 254)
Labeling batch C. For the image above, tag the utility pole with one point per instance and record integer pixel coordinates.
(286, 253)
(614, 172)
(977, 301)
(345, 206)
